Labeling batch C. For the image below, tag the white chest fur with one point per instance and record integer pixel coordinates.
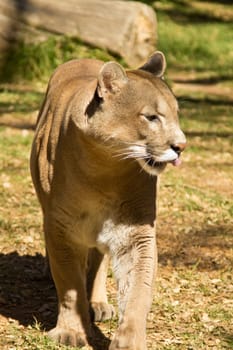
(113, 237)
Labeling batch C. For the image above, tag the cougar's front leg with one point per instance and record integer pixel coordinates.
(96, 286)
(68, 267)
(134, 268)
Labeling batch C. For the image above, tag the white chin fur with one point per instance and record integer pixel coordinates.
(167, 156)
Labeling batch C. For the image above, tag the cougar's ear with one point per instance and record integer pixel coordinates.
(156, 64)
(111, 79)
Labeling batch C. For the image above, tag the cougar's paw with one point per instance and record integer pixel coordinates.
(102, 311)
(126, 339)
(68, 337)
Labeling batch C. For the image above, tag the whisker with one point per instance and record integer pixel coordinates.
(131, 156)
(131, 150)
(128, 155)
(143, 166)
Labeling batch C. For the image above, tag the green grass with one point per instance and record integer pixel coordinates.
(31, 338)
(202, 47)
(16, 100)
(196, 38)
(37, 61)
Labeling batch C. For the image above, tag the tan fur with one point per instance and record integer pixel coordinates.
(95, 159)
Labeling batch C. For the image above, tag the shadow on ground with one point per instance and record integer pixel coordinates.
(26, 293)
(29, 296)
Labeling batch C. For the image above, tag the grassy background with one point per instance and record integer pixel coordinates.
(193, 306)
(194, 35)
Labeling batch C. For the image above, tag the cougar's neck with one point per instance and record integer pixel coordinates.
(97, 160)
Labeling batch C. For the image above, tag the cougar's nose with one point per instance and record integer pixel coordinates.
(178, 147)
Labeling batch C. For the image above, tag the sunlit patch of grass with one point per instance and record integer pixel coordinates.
(188, 309)
(15, 100)
(207, 118)
(16, 145)
(194, 38)
(31, 337)
(17, 198)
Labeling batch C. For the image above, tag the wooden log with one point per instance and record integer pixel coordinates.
(126, 28)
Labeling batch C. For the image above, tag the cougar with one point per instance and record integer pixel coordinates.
(103, 136)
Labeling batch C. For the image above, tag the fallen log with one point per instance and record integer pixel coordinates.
(126, 28)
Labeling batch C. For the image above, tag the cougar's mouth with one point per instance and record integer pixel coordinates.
(152, 163)
(154, 167)
(151, 166)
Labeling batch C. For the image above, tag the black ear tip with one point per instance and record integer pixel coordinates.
(159, 58)
(156, 64)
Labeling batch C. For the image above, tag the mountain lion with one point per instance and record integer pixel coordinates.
(103, 135)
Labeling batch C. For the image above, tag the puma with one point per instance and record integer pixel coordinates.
(103, 136)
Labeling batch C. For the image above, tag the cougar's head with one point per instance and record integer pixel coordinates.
(137, 114)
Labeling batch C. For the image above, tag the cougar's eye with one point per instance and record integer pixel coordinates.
(151, 118)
